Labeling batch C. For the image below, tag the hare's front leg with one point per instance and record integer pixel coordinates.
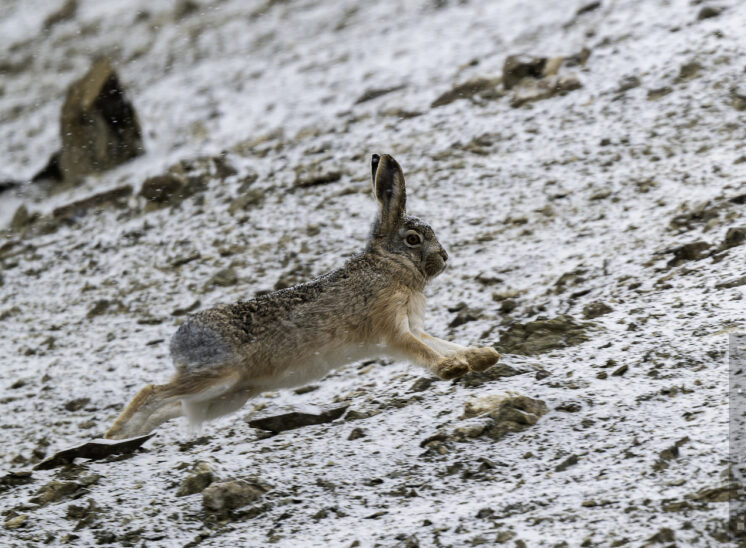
(478, 359)
(446, 367)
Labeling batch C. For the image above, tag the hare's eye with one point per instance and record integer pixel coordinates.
(413, 239)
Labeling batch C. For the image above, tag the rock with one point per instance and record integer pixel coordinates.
(688, 71)
(54, 491)
(738, 97)
(15, 478)
(735, 282)
(693, 251)
(98, 126)
(308, 416)
(465, 315)
(507, 306)
(422, 384)
(50, 171)
(95, 450)
(717, 494)
(315, 176)
(225, 277)
(529, 90)
(656, 93)
(542, 335)
(16, 522)
(198, 480)
(163, 189)
(252, 198)
(21, 219)
(708, 12)
(668, 454)
(65, 12)
(375, 93)
(665, 534)
(587, 8)
(572, 460)
(627, 83)
(518, 67)
(77, 404)
(569, 406)
(494, 416)
(229, 495)
(466, 90)
(496, 372)
(596, 309)
(79, 208)
(99, 307)
(736, 235)
(356, 433)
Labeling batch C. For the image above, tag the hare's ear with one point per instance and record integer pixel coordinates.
(388, 185)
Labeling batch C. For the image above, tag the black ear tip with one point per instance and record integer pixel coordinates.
(374, 160)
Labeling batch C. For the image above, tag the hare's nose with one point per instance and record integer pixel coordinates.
(444, 255)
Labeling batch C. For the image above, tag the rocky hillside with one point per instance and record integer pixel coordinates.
(582, 162)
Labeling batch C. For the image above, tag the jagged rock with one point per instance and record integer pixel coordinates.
(375, 93)
(21, 219)
(596, 309)
(65, 12)
(693, 251)
(493, 416)
(201, 477)
(530, 90)
(225, 277)
(77, 404)
(16, 522)
(94, 450)
(708, 12)
(98, 126)
(466, 90)
(163, 189)
(728, 284)
(79, 208)
(317, 175)
(518, 67)
(542, 335)
(494, 373)
(229, 495)
(308, 416)
(14, 478)
(572, 460)
(736, 235)
(54, 491)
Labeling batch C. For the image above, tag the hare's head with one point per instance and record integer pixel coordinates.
(409, 239)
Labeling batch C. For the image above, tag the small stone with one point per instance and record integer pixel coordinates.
(356, 433)
(466, 90)
(542, 335)
(77, 404)
(665, 534)
(596, 309)
(422, 384)
(507, 306)
(163, 189)
(569, 407)
(589, 7)
(517, 67)
(21, 219)
(198, 480)
(627, 83)
(618, 372)
(688, 71)
(315, 177)
(693, 251)
(54, 491)
(16, 522)
(572, 460)
(708, 12)
(229, 495)
(736, 235)
(225, 277)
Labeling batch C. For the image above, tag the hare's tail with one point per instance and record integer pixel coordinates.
(200, 397)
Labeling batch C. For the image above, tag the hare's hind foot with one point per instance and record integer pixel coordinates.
(155, 404)
(481, 359)
(452, 368)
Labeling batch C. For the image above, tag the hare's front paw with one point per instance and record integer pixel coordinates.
(481, 359)
(452, 368)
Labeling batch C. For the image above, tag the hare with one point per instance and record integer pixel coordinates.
(373, 305)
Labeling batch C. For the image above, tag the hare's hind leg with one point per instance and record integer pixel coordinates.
(155, 404)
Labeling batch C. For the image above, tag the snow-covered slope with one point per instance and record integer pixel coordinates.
(544, 209)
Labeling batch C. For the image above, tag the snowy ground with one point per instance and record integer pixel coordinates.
(586, 189)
